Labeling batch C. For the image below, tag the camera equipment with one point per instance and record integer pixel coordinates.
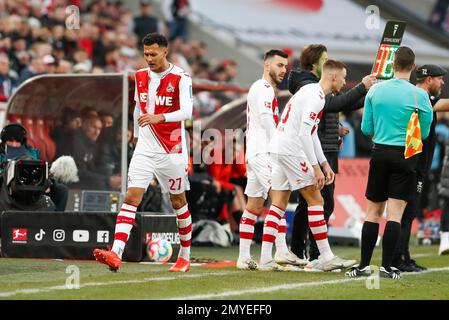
(25, 178)
(23, 186)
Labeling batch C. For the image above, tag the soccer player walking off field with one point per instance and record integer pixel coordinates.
(298, 163)
(163, 98)
(389, 107)
(262, 119)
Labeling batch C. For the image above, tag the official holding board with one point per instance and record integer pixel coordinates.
(398, 115)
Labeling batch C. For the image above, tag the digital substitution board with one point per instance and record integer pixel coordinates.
(391, 40)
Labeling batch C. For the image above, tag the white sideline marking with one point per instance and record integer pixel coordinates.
(96, 284)
(289, 286)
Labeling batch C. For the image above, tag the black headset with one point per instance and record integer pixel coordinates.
(15, 124)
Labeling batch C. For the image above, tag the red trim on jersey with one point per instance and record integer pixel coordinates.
(142, 80)
(275, 109)
(318, 117)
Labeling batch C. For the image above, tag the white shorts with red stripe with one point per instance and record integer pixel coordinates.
(170, 170)
(290, 172)
(258, 171)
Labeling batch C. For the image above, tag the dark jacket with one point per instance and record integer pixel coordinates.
(84, 151)
(328, 128)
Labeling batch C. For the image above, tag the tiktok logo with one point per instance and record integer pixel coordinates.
(39, 236)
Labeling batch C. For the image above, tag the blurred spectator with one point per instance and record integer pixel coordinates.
(178, 12)
(106, 118)
(109, 155)
(35, 68)
(84, 149)
(439, 14)
(62, 134)
(146, 22)
(7, 78)
(88, 112)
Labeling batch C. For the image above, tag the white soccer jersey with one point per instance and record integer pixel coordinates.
(262, 116)
(297, 129)
(168, 93)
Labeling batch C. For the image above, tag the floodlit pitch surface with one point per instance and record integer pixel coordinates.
(47, 279)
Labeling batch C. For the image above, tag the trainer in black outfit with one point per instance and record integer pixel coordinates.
(430, 79)
(311, 61)
(389, 107)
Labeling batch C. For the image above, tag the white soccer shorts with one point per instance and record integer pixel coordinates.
(290, 172)
(258, 172)
(170, 170)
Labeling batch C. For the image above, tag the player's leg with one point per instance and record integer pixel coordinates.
(328, 207)
(253, 209)
(279, 201)
(280, 193)
(392, 232)
(370, 233)
(184, 222)
(140, 175)
(318, 227)
(171, 173)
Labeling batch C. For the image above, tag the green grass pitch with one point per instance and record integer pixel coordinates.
(47, 279)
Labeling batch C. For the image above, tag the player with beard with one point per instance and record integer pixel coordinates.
(262, 119)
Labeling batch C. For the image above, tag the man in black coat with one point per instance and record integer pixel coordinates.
(312, 59)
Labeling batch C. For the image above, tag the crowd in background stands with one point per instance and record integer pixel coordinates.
(34, 40)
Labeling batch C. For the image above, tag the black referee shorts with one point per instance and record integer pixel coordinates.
(391, 175)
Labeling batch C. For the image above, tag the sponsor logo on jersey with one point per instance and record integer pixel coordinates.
(164, 101)
(313, 115)
(267, 104)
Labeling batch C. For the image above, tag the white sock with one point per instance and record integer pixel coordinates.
(185, 231)
(281, 241)
(270, 230)
(246, 229)
(318, 226)
(123, 226)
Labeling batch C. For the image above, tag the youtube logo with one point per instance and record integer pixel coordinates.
(80, 236)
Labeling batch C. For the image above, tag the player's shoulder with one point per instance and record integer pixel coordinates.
(262, 85)
(179, 72)
(143, 70)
